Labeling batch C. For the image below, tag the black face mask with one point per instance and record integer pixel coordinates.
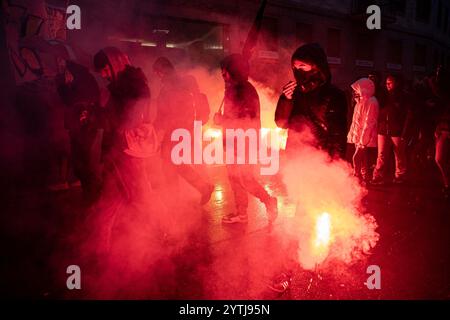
(309, 80)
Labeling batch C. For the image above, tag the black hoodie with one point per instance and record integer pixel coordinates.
(241, 103)
(129, 105)
(323, 110)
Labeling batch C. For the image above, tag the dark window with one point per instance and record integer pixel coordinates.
(365, 47)
(399, 7)
(439, 15)
(269, 34)
(395, 51)
(445, 20)
(423, 10)
(420, 55)
(304, 33)
(334, 43)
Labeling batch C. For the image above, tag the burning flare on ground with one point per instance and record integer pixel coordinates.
(329, 224)
(323, 230)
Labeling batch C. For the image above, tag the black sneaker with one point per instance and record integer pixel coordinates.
(399, 180)
(377, 181)
(232, 219)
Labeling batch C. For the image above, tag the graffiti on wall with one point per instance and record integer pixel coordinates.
(35, 35)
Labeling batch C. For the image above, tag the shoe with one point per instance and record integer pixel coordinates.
(399, 180)
(281, 283)
(207, 195)
(377, 182)
(272, 209)
(232, 219)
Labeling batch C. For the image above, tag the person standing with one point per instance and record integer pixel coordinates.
(176, 109)
(393, 129)
(363, 130)
(310, 103)
(313, 102)
(241, 110)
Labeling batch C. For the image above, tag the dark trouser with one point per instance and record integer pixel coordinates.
(86, 161)
(242, 181)
(186, 171)
(384, 149)
(361, 166)
(128, 212)
(129, 176)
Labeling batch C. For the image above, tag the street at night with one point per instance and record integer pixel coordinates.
(228, 262)
(279, 151)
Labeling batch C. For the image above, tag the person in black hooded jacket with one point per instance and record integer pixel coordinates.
(241, 110)
(128, 140)
(313, 102)
(176, 109)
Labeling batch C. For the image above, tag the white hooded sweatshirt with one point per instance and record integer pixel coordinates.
(363, 130)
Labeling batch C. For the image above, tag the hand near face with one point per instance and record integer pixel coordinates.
(288, 89)
(84, 116)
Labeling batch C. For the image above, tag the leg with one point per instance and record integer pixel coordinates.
(86, 154)
(365, 165)
(383, 151)
(194, 179)
(357, 162)
(240, 194)
(360, 163)
(168, 168)
(252, 186)
(400, 157)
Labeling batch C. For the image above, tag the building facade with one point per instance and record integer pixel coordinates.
(414, 36)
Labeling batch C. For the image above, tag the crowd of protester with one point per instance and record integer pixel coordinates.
(114, 142)
(409, 121)
(396, 128)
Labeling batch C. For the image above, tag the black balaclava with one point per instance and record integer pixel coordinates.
(311, 80)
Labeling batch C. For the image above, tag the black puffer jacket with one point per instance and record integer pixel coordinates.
(323, 110)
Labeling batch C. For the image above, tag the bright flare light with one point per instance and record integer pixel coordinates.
(323, 230)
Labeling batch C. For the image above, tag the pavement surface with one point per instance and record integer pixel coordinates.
(211, 261)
